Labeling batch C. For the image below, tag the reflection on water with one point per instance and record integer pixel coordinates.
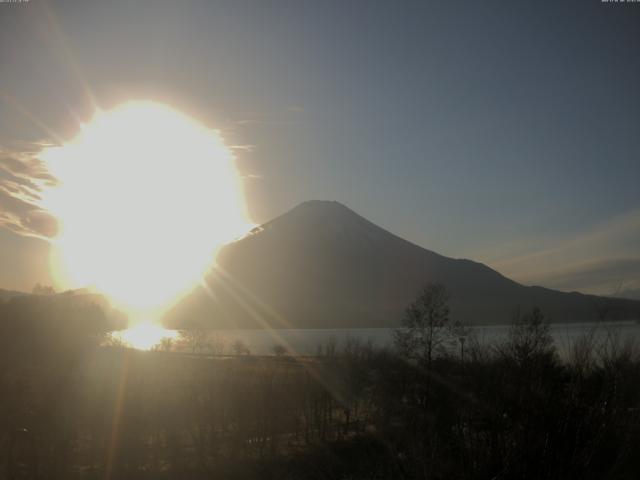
(144, 336)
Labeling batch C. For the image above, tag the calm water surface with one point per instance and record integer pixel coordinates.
(307, 341)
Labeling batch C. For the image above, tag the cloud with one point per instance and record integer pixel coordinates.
(251, 176)
(633, 293)
(22, 179)
(607, 277)
(597, 260)
(243, 148)
(286, 116)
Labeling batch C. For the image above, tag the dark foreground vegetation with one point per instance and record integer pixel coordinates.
(435, 407)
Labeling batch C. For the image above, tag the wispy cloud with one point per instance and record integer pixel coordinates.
(608, 276)
(596, 260)
(243, 148)
(22, 179)
(286, 116)
(251, 176)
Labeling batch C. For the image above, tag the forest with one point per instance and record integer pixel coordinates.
(76, 404)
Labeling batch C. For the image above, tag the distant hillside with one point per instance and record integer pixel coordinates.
(92, 309)
(9, 294)
(632, 293)
(321, 265)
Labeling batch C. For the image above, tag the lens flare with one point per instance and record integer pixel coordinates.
(145, 197)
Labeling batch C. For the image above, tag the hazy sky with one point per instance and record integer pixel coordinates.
(507, 132)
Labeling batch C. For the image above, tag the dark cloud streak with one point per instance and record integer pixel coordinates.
(22, 178)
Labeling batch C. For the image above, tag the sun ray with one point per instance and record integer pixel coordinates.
(240, 293)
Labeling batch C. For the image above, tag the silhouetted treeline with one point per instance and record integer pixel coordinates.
(45, 328)
(511, 410)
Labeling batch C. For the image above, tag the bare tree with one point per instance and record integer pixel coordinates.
(240, 348)
(529, 340)
(43, 290)
(217, 344)
(426, 325)
(114, 341)
(165, 345)
(195, 339)
(279, 350)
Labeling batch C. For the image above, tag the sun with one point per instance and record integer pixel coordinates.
(145, 335)
(145, 198)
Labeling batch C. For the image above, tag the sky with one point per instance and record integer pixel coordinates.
(504, 132)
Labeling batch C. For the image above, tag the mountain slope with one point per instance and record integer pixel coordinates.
(321, 265)
(9, 294)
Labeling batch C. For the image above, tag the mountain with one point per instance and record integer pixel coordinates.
(321, 265)
(632, 293)
(9, 294)
(67, 307)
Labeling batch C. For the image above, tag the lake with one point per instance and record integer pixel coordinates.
(307, 341)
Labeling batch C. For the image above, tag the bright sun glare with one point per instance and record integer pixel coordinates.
(146, 196)
(145, 335)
